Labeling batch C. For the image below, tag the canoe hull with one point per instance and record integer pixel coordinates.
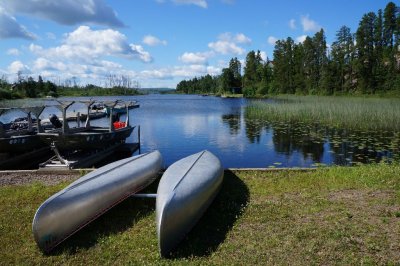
(186, 190)
(87, 198)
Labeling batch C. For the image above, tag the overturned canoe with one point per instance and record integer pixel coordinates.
(87, 198)
(185, 191)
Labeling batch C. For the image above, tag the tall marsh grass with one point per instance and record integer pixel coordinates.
(343, 112)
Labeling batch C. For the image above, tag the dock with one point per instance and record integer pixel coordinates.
(87, 160)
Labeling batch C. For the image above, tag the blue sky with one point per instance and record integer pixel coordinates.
(156, 42)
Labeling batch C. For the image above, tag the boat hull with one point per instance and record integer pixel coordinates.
(21, 143)
(185, 191)
(90, 139)
(87, 198)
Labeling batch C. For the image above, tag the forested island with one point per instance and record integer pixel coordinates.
(364, 62)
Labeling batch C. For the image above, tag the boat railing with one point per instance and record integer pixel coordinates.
(26, 126)
(111, 105)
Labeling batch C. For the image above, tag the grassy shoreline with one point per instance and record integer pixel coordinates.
(333, 215)
(362, 113)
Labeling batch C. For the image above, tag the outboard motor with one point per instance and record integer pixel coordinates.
(55, 121)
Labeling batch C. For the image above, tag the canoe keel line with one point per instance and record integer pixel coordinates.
(185, 191)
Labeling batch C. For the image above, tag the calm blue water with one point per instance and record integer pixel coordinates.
(180, 125)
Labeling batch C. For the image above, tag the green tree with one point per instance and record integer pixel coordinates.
(365, 53)
(342, 57)
(236, 68)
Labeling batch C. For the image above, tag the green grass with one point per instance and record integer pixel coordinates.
(343, 112)
(332, 215)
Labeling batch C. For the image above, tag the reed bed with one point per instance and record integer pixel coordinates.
(341, 112)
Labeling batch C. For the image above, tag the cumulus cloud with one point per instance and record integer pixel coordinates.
(17, 66)
(225, 47)
(292, 24)
(301, 38)
(237, 38)
(227, 43)
(272, 40)
(10, 28)
(241, 38)
(309, 25)
(153, 41)
(85, 44)
(185, 71)
(200, 3)
(13, 51)
(66, 12)
(195, 58)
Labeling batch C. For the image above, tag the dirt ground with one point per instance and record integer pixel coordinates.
(8, 178)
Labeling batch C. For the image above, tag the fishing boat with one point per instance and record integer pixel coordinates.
(20, 146)
(185, 191)
(69, 210)
(19, 135)
(121, 109)
(87, 137)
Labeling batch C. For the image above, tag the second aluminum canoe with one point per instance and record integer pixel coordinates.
(185, 191)
(87, 198)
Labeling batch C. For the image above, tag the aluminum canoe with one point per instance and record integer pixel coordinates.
(185, 191)
(87, 198)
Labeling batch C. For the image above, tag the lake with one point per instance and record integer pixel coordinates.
(180, 125)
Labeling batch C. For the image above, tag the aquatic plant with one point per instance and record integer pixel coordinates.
(360, 113)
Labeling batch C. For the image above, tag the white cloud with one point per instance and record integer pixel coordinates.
(18, 66)
(292, 24)
(153, 41)
(66, 12)
(272, 40)
(10, 28)
(225, 47)
(200, 3)
(139, 52)
(85, 44)
(227, 43)
(238, 38)
(13, 51)
(195, 58)
(309, 25)
(42, 64)
(186, 71)
(301, 38)
(264, 55)
(241, 38)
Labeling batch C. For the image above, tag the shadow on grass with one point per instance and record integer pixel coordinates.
(217, 221)
(118, 219)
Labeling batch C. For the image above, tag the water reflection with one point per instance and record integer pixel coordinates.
(325, 145)
(307, 140)
(233, 121)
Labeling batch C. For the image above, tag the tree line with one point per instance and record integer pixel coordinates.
(28, 87)
(364, 62)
